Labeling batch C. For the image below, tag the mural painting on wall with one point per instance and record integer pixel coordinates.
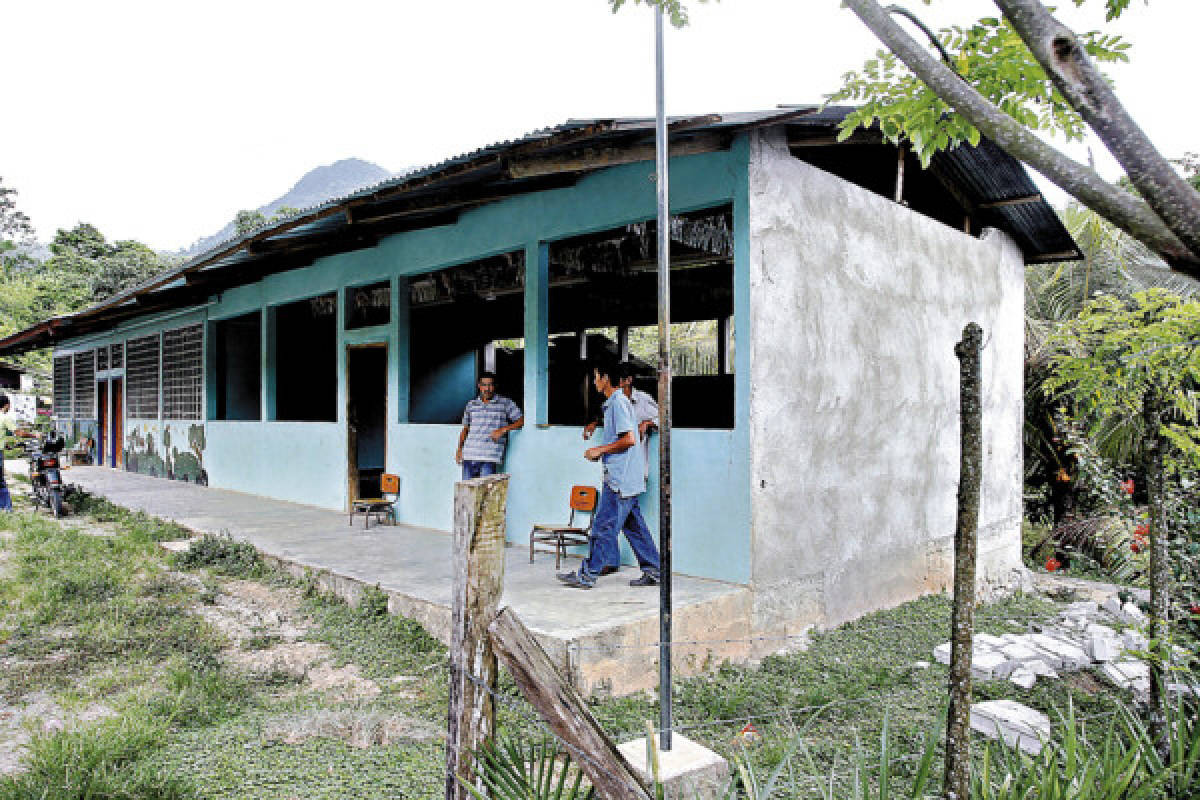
(143, 457)
(73, 433)
(188, 465)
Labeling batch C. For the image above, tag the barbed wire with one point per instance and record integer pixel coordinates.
(1030, 618)
(523, 710)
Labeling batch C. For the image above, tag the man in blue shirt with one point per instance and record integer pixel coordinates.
(487, 421)
(624, 480)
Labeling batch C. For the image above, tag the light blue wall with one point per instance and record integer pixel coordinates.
(288, 460)
(306, 462)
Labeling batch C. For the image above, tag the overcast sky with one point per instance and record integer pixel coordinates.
(157, 121)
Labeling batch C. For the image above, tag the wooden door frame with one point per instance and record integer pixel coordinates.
(351, 433)
(116, 399)
(104, 419)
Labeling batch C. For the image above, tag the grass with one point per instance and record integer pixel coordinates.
(104, 762)
(102, 618)
(856, 673)
(78, 603)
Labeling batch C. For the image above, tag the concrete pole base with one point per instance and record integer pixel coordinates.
(688, 771)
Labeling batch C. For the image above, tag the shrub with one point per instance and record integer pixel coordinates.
(373, 604)
(221, 554)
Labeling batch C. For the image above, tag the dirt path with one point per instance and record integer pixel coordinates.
(264, 628)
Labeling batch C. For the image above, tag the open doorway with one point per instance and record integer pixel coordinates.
(366, 415)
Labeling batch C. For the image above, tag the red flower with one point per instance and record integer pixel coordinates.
(1136, 546)
(1052, 564)
(1195, 609)
(1127, 486)
(1142, 531)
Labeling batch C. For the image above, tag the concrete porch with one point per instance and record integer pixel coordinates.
(603, 638)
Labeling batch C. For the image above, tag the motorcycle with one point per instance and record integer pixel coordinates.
(45, 474)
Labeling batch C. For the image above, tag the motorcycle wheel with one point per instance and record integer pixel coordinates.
(56, 503)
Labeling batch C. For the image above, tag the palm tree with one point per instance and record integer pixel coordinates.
(1114, 264)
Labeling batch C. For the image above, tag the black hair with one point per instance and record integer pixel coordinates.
(487, 373)
(624, 370)
(3, 400)
(608, 369)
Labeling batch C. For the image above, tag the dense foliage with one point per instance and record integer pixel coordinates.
(82, 268)
(994, 59)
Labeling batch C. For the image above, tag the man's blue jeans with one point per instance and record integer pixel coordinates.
(614, 514)
(477, 469)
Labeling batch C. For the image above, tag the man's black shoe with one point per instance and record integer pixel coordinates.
(573, 580)
(645, 580)
(607, 570)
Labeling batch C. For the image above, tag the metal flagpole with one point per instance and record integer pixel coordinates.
(664, 393)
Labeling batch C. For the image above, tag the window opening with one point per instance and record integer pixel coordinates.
(935, 192)
(464, 319)
(85, 385)
(305, 360)
(236, 348)
(183, 372)
(102, 358)
(367, 306)
(604, 309)
(117, 361)
(62, 387)
(141, 377)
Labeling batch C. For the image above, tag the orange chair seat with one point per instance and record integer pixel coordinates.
(560, 537)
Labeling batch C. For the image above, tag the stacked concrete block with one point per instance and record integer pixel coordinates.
(1070, 656)
(1132, 614)
(1133, 675)
(1078, 640)
(1134, 640)
(1103, 646)
(1041, 668)
(1018, 725)
(1023, 677)
(985, 663)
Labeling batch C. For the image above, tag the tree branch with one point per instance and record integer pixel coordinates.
(1119, 207)
(1060, 53)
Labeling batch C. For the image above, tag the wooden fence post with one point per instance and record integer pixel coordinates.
(564, 711)
(958, 725)
(1160, 569)
(479, 506)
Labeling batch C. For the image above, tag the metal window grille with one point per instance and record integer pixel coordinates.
(183, 372)
(141, 378)
(85, 385)
(62, 387)
(102, 358)
(118, 356)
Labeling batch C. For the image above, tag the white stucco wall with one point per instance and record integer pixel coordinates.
(856, 304)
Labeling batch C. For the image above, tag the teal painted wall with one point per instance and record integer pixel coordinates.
(306, 462)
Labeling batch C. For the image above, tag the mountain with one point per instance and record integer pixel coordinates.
(317, 186)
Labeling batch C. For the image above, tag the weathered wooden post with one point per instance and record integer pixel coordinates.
(1160, 570)
(962, 621)
(479, 506)
(564, 711)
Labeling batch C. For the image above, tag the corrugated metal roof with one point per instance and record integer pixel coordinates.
(411, 201)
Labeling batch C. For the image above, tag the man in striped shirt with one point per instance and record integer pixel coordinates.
(487, 421)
